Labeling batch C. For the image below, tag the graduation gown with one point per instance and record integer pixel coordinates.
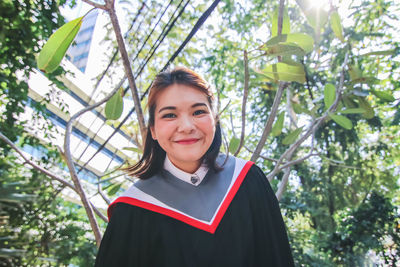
(231, 219)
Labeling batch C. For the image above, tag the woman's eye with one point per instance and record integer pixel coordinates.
(168, 115)
(199, 112)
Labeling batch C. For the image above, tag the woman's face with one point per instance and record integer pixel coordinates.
(184, 125)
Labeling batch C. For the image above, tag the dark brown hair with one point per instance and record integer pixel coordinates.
(153, 155)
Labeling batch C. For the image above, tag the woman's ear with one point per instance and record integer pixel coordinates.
(153, 133)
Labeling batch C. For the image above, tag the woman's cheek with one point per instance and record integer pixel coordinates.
(166, 126)
(207, 122)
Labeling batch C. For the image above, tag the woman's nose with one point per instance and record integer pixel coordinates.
(186, 124)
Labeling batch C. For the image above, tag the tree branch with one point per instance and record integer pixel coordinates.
(314, 125)
(233, 127)
(283, 183)
(289, 108)
(339, 163)
(105, 198)
(127, 67)
(297, 161)
(268, 125)
(285, 180)
(34, 165)
(71, 166)
(99, 213)
(223, 110)
(96, 5)
(244, 101)
(280, 16)
(46, 172)
(261, 156)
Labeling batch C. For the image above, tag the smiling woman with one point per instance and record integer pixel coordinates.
(192, 206)
(184, 126)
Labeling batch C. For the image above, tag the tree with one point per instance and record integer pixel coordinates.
(34, 222)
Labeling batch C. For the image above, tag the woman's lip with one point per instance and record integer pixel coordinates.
(187, 141)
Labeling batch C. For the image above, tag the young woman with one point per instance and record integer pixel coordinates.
(192, 206)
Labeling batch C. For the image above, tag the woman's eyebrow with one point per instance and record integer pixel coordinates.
(198, 105)
(174, 108)
(168, 107)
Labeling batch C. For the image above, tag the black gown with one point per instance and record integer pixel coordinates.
(242, 226)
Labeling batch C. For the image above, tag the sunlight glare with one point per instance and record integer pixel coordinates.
(320, 4)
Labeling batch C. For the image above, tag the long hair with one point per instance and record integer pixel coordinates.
(153, 156)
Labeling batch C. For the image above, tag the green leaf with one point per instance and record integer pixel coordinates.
(316, 16)
(285, 22)
(283, 49)
(234, 145)
(336, 25)
(114, 189)
(115, 106)
(369, 111)
(292, 136)
(365, 80)
(329, 95)
(134, 149)
(314, 110)
(298, 109)
(55, 48)
(353, 111)
(349, 102)
(354, 72)
(285, 72)
(305, 41)
(277, 128)
(342, 121)
(389, 52)
(385, 96)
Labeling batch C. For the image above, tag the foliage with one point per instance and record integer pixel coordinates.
(357, 147)
(372, 225)
(23, 25)
(38, 227)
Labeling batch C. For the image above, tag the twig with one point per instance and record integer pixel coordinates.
(261, 156)
(268, 125)
(34, 165)
(297, 161)
(95, 4)
(244, 101)
(339, 163)
(223, 110)
(225, 142)
(233, 127)
(105, 198)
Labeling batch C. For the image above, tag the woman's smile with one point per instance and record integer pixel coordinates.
(187, 141)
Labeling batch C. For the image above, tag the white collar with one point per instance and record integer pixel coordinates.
(192, 178)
